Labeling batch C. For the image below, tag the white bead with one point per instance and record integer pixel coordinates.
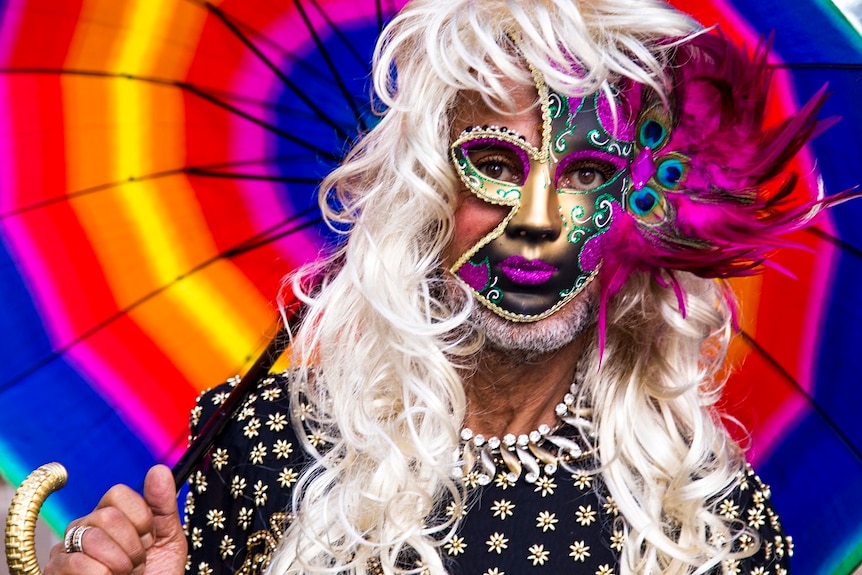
(479, 440)
(466, 434)
(494, 443)
(509, 439)
(535, 437)
(523, 440)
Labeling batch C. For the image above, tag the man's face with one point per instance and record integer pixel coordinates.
(541, 188)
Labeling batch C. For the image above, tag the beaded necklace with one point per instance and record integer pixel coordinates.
(541, 450)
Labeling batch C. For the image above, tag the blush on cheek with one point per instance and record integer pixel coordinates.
(474, 219)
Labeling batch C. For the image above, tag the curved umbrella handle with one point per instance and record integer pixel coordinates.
(23, 512)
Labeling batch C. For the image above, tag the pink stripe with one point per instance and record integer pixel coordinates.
(769, 434)
(46, 291)
(251, 78)
(7, 147)
(10, 27)
(108, 381)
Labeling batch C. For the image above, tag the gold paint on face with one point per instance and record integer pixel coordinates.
(558, 172)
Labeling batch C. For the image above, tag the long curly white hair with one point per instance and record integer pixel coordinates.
(381, 355)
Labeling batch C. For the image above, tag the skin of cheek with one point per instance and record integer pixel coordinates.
(474, 219)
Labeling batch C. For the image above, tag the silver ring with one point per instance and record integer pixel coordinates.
(73, 538)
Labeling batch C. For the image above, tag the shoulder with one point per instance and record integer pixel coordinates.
(762, 545)
(239, 495)
(268, 399)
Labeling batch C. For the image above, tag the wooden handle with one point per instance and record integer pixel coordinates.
(23, 512)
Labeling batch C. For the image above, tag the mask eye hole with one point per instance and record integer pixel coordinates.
(588, 171)
(652, 134)
(497, 162)
(646, 204)
(585, 175)
(670, 172)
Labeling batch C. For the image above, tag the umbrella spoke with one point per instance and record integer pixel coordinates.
(331, 65)
(819, 66)
(360, 59)
(191, 89)
(252, 177)
(809, 398)
(207, 170)
(234, 29)
(267, 237)
(836, 241)
(249, 244)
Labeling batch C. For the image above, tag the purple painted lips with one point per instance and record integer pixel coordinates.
(519, 270)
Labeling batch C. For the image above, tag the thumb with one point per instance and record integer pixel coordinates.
(161, 495)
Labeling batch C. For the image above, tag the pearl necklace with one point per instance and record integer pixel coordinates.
(541, 450)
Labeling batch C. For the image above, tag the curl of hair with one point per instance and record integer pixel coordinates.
(667, 472)
(381, 353)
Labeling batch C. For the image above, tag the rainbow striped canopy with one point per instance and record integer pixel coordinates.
(158, 170)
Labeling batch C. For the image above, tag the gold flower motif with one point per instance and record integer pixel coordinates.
(538, 555)
(546, 520)
(579, 551)
(503, 508)
(455, 546)
(497, 542)
(585, 515)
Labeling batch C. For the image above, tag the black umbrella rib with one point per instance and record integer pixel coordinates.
(238, 249)
(234, 29)
(190, 88)
(835, 241)
(361, 60)
(87, 191)
(278, 131)
(252, 177)
(204, 171)
(379, 7)
(808, 397)
(331, 65)
(818, 66)
(266, 239)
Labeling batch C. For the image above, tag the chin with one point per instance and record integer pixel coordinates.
(538, 337)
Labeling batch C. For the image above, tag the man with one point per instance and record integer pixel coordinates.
(510, 363)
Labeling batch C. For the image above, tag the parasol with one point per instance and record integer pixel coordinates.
(158, 164)
(155, 157)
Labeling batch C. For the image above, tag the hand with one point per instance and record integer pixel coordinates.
(129, 534)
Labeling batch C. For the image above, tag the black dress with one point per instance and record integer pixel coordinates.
(564, 522)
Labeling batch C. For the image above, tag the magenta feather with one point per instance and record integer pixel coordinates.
(736, 200)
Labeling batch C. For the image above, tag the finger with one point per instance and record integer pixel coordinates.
(63, 563)
(104, 549)
(115, 529)
(161, 495)
(132, 505)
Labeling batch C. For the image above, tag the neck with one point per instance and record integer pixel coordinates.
(511, 393)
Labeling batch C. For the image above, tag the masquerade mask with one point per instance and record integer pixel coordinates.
(562, 197)
(706, 192)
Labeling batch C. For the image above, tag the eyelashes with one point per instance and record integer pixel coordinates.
(500, 166)
(503, 163)
(585, 175)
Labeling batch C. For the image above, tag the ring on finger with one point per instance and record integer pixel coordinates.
(73, 539)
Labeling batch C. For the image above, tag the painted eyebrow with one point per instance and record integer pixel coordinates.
(619, 163)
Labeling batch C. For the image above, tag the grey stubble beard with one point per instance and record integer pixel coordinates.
(527, 341)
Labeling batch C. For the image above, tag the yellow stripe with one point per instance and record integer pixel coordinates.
(148, 233)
